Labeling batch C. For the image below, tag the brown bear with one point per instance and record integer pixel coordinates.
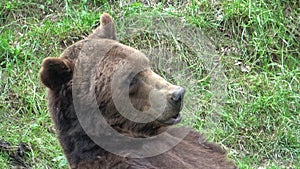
(135, 103)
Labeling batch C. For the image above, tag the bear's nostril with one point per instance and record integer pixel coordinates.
(177, 95)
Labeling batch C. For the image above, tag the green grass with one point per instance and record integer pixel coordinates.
(257, 43)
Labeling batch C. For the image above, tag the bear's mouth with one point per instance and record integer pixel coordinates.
(173, 120)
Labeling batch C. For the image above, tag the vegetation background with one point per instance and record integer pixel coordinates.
(257, 41)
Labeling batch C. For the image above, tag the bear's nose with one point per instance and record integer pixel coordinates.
(177, 95)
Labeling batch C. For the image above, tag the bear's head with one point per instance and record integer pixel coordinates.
(132, 98)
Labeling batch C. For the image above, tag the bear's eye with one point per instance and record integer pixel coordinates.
(133, 82)
(133, 85)
(131, 79)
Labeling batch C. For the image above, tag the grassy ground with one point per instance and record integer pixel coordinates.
(257, 43)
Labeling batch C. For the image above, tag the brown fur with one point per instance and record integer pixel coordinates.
(81, 152)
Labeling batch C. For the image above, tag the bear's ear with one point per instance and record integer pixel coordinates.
(106, 28)
(55, 72)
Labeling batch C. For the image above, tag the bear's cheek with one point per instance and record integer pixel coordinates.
(140, 104)
(140, 100)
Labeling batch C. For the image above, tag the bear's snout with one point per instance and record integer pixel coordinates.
(176, 98)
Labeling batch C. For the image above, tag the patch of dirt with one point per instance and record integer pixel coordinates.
(71, 39)
(17, 153)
